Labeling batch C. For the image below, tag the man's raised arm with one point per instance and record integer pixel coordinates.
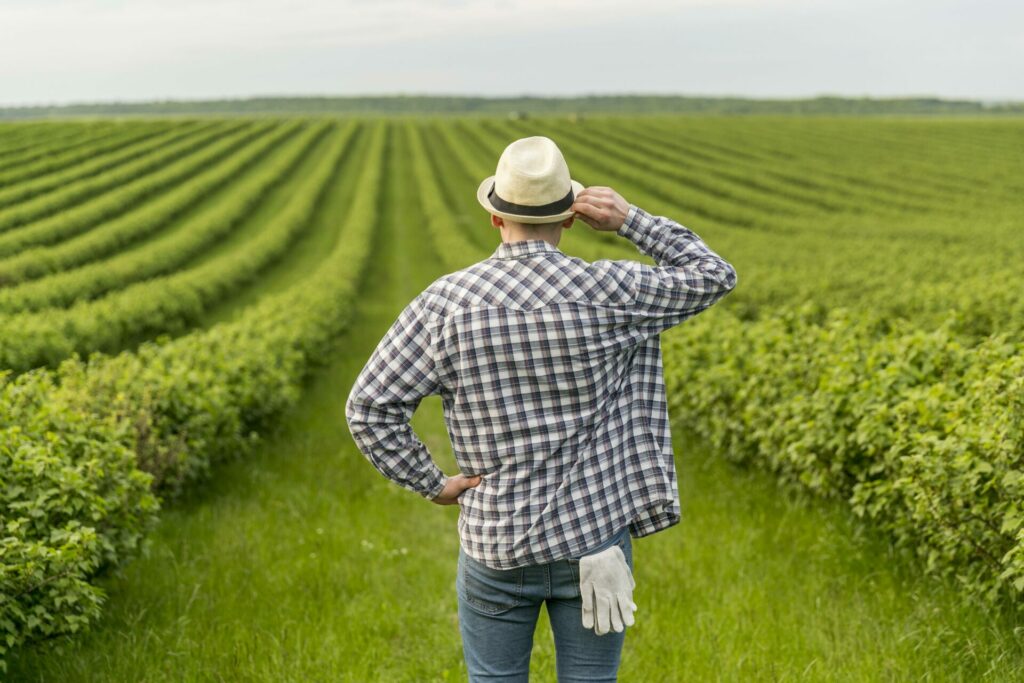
(689, 277)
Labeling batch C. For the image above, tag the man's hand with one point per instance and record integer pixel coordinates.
(606, 586)
(602, 208)
(454, 487)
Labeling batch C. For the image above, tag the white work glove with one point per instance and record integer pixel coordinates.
(606, 586)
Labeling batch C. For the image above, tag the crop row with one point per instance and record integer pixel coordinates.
(810, 151)
(169, 303)
(763, 176)
(918, 138)
(23, 143)
(90, 447)
(21, 170)
(453, 247)
(466, 215)
(879, 153)
(807, 183)
(42, 144)
(123, 230)
(130, 182)
(934, 153)
(31, 147)
(23, 191)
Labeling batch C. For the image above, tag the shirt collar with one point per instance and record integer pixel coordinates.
(521, 248)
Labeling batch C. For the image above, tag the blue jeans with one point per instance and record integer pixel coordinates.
(498, 612)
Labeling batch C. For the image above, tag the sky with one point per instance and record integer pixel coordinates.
(61, 51)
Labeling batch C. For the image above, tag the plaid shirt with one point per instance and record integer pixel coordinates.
(549, 369)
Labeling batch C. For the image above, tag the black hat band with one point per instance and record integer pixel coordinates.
(551, 209)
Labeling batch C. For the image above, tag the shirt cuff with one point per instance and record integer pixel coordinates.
(637, 229)
(434, 490)
(630, 222)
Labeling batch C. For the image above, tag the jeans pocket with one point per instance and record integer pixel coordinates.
(491, 591)
(625, 543)
(574, 570)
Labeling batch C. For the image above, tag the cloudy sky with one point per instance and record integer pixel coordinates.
(56, 51)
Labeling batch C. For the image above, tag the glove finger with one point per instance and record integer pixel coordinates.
(587, 593)
(603, 609)
(616, 616)
(626, 606)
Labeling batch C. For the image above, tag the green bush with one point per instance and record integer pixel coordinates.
(72, 502)
(917, 430)
(85, 447)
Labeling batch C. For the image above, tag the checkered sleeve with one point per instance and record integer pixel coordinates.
(688, 279)
(398, 375)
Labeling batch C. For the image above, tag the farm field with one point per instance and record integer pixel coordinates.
(865, 375)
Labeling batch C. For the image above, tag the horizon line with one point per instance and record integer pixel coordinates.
(531, 96)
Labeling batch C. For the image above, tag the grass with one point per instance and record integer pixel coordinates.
(304, 564)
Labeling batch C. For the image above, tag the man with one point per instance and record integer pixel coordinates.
(549, 369)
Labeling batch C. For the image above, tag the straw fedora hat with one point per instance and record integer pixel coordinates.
(531, 183)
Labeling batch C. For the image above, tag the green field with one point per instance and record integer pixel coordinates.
(188, 504)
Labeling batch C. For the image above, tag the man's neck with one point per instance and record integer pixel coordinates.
(519, 236)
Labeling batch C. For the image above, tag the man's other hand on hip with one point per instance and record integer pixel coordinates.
(454, 487)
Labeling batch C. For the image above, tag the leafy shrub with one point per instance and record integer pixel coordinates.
(83, 447)
(71, 503)
(917, 430)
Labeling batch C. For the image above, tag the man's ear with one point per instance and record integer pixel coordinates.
(496, 221)
(568, 222)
